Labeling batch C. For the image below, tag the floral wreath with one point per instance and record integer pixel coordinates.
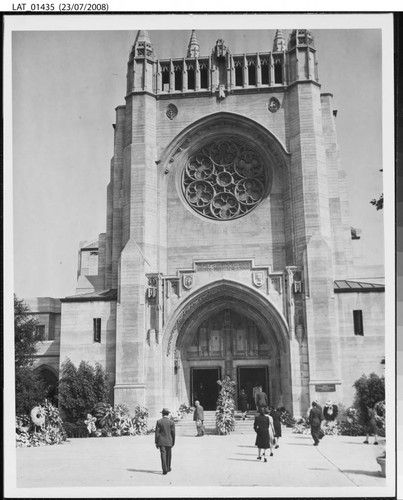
(38, 416)
(330, 410)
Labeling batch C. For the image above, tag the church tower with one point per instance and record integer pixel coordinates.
(227, 230)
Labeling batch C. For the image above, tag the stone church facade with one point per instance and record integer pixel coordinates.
(228, 244)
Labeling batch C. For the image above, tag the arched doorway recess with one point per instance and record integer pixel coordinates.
(227, 328)
(51, 381)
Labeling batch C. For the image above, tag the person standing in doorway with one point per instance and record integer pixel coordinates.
(243, 403)
(315, 420)
(165, 439)
(198, 417)
(255, 390)
(261, 399)
(201, 393)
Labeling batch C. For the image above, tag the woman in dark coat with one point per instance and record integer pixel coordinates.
(261, 426)
(277, 425)
(243, 403)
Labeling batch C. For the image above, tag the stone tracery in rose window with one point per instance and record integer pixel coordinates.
(224, 180)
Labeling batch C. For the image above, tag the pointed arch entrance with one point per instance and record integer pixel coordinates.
(228, 328)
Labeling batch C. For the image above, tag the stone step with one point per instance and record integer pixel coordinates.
(187, 427)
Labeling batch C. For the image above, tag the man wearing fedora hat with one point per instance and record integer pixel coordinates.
(165, 439)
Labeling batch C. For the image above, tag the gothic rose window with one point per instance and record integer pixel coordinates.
(224, 180)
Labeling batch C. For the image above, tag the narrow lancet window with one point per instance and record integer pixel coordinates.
(278, 71)
(252, 72)
(238, 72)
(97, 329)
(358, 324)
(204, 75)
(191, 77)
(178, 76)
(264, 68)
(165, 78)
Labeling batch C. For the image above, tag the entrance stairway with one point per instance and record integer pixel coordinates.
(187, 427)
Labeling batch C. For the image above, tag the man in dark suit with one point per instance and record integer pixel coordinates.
(165, 439)
(315, 420)
(261, 399)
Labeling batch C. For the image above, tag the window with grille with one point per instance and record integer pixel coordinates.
(97, 329)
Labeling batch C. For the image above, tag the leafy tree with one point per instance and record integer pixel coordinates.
(80, 389)
(29, 388)
(378, 203)
(369, 391)
(26, 335)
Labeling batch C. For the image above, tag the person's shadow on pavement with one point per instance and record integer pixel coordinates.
(145, 470)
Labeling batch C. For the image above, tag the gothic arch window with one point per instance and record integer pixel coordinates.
(191, 76)
(264, 62)
(165, 77)
(225, 179)
(251, 71)
(278, 71)
(203, 74)
(238, 64)
(178, 76)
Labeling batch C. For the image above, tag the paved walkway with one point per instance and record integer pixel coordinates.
(210, 461)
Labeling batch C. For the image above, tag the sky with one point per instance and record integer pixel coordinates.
(66, 84)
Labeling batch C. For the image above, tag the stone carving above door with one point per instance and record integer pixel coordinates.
(258, 278)
(187, 280)
(219, 334)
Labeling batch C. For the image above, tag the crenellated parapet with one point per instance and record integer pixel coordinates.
(222, 72)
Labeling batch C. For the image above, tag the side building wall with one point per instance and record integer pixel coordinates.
(360, 354)
(78, 341)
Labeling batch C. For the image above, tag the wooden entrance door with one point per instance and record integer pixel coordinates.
(250, 377)
(204, 386)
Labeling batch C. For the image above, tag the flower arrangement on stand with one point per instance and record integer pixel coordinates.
(301, 426)
(330, 426)
(43, 427)
(140, 420)
(183, 410)
(225, 413)
(108, 421)
(341, 421)
(285, 417)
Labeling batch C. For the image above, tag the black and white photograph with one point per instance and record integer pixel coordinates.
(199, 222)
